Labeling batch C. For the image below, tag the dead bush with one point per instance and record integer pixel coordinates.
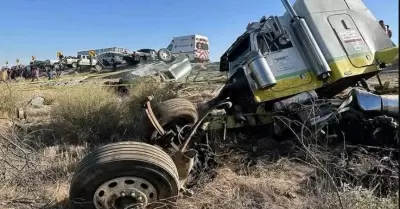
(146, 86)
(342, 169)
(88, 114)
(35, 176)
(269, 186)
(358, 198)
(139, 90)
(8, 101)
(96, 115)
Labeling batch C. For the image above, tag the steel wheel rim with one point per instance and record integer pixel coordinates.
(124, 193)
(164, 54)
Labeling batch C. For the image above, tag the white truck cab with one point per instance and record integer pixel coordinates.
(86, 60)
(196, 47)
(83, 57)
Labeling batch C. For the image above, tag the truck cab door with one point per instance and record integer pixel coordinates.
(351, 39)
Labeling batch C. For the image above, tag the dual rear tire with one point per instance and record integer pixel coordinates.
(123, 175)
(128, 175)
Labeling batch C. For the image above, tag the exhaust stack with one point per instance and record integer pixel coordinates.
(310, 46)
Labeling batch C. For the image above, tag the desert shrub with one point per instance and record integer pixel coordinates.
(88, 114)
(147, 86)
(7, 101)
(358, 198)
(95, 114)
(140, 89)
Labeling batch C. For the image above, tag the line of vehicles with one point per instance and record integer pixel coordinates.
(195, 46)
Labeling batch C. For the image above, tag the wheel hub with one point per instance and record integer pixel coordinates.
(124, 193)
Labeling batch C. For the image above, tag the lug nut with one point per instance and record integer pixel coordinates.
(140, 198)
(133, 194)
(123, 194)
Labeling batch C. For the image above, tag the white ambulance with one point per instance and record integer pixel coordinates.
(195, 46)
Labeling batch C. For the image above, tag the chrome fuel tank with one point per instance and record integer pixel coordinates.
(369, 102)
(390, 105)
(260, 70)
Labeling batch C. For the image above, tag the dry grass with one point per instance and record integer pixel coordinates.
(8, 101)
(36, 166)
(276, 185)
(93, 114)
(361, 199)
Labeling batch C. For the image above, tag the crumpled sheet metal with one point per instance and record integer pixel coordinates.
(177, 70)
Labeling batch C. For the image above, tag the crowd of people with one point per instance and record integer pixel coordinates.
(29, 72)
(385, 28)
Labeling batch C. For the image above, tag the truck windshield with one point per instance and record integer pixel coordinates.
(144, 50)
(203, 46)
(169, 47)
(268, 43)
(236, 55)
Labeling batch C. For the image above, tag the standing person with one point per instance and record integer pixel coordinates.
(90, 60)
(114, 64)
(389, 32)
(35, 73)
(26, 72)
(60, 57)
(9, 72)
(21, 70)
(49, 73)
(14, 73)
(385, 28)
(382, 24)
(58, 72)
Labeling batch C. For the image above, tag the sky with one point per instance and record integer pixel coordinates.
(40, 28)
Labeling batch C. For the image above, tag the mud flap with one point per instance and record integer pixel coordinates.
(184, 162)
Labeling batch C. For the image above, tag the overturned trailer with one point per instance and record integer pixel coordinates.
(290, 66)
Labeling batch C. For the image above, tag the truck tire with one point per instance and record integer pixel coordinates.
(124, 174)
(172, 112)
(74, 65)
(164, 55)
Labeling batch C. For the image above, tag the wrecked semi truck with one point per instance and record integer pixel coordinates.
(290, 66)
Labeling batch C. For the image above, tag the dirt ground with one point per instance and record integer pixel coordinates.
(39, 154)
(392, 77)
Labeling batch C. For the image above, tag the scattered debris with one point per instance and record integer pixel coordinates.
(72, 82)
(37, 102)
(21, 114)
(177, 69)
